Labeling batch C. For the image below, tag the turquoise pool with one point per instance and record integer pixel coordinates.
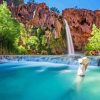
(48, 81)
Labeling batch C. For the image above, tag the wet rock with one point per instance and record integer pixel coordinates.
(98, 62)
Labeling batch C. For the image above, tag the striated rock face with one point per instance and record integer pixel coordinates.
(37, 15)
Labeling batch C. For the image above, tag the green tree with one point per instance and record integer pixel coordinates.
(21, 50)
(37, 40)
(31, 1)
(17, 2)
(94, 41)
(33, 43)
(9, 29)
(54, 9)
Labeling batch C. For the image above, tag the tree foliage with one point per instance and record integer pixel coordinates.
(37, 41)
(15, 38)
(9, 28)
(54, 9)
(31, 1)
(33, 43)
(94, 41)
(17, 2)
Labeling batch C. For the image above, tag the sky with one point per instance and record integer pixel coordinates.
(62, 4)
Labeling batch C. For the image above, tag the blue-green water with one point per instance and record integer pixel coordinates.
(33, 83)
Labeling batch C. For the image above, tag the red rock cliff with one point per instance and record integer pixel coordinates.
(79, 20)
(37, 15)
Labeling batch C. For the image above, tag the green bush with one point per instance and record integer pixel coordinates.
(16, 39)
(33, 42)
(9, 29)
(94, 41)
(21, 50)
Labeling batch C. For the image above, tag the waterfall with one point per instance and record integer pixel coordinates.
(34, 13)
(69, 39)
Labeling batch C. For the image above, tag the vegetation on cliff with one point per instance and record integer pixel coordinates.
(94, 40)
(54, 9)
(9, 30)
(15, 38)
(16, 2)
(93, 45)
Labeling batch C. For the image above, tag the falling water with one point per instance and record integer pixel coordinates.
(69, 39)
(34, 13)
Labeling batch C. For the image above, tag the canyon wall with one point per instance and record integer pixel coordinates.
(39, 15)
(80, 22)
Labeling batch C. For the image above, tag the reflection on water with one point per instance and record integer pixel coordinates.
(73, 91)
(79, 80)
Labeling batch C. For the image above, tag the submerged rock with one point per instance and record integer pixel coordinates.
(98, 62)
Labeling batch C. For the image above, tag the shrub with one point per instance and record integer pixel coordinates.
(94, 41)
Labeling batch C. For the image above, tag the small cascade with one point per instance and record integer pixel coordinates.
(68, 60)
(34, 13)
(69, 39)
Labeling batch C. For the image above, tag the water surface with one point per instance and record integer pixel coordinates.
(21, 81)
